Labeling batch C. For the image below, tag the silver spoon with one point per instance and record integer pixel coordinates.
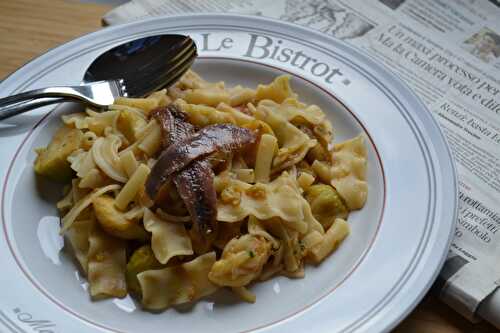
(133, 69)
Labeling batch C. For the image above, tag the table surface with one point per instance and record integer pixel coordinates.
(31, 27)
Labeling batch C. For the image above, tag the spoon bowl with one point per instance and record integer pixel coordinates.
(133, 69)
(145, 63)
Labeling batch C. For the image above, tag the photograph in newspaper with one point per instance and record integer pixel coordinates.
(327, 17)
(485, 45)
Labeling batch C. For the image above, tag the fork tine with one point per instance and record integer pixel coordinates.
(176, 76)
(181, 62)
(181, 67)
(180, 70)
(185, 49)
(160, 81)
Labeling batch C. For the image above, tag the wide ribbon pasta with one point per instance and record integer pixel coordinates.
(331, 240)
(177, 284)
(146, 104)
(207, 96)
(169, 239)
(83, 163)
(239, 117)
(203, 115)
(278, 90)
(280, 198)
(291, 109)
(95, 122)
(78, 237)
(239, 95)
(349, 172)
(106, 265)
(77, 120)
(191, 80)
(293, 143)
(98, 122)
(301, 114)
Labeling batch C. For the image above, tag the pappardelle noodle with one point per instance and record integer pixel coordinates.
(148, 212)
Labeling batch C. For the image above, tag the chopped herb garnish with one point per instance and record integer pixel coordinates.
(251, 254)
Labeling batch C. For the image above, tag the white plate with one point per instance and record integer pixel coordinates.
(398, 242)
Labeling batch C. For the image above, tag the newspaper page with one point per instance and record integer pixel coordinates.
(448, 51)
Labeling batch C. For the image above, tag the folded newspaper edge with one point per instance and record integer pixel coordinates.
(469, 295)
(476, 290)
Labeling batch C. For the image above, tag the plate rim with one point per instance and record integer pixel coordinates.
(320, 36)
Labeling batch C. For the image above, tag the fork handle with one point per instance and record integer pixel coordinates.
(77, 92)
(21, 107)
(97, 94)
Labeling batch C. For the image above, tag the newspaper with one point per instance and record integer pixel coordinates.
(449, 53)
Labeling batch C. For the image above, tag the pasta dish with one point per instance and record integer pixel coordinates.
(201, 187)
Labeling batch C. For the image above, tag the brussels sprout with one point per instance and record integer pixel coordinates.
(143, 259)
(52, 160)
(318, 153)
(114, 222)
(326, 204)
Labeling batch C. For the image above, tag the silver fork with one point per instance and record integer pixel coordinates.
(154, 74)
(98, 95)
